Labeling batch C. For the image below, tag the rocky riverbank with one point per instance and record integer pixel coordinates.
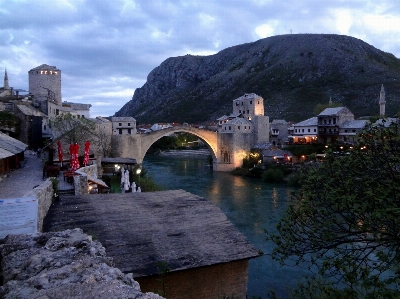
(200, 152)
(66, 264)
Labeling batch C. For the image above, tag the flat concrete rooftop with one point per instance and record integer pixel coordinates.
(140, 230)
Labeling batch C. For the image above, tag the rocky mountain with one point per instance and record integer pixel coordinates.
(293, 73)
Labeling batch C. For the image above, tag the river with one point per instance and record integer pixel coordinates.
(250, 204)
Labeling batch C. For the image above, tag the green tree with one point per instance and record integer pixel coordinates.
(344, 221)
(73, 129)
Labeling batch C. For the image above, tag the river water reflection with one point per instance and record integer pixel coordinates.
(250, 205)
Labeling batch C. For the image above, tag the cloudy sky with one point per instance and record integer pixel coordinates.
(105, 49)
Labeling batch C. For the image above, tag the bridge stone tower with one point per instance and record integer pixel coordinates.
(247, 127)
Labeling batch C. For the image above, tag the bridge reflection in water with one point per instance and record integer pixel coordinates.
(250, 204)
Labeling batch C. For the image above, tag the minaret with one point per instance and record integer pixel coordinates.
(382, 102)
(6, 86)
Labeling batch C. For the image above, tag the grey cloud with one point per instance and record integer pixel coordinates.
(93, 42)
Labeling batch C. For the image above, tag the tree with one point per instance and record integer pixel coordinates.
(73, 129)
(344, 221)
(103, 134)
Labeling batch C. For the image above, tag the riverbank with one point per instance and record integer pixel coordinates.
(199, 152)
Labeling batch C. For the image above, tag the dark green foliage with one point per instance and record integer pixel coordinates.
(255, 172)
(299, 150)
(54, 184)
(252, 159)
(239, 171)
(344, 221)
(273, 175)
(165, 143)
(146, 183)
(9, 120)
(294, 179)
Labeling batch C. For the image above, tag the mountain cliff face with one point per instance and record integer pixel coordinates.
(292, 73)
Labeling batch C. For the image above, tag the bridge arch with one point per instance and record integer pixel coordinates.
(136, 146)
(209, 137)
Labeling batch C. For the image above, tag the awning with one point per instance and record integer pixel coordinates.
(5, 153)
(97, 181)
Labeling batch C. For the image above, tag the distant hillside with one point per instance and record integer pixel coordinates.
(292, 73)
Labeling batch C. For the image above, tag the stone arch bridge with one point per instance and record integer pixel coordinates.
(135, 146)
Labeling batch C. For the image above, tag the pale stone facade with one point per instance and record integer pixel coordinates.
(123, 125)
(241, 131)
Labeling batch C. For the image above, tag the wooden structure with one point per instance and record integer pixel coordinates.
(172, 232)
(108, 164)
(11, 153)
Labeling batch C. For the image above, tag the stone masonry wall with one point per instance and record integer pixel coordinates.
(58, 265)
(81, 181)
(44, 194)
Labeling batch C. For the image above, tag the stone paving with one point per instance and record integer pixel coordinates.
(20, 181)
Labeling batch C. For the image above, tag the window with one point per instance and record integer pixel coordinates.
(345, 131)
(251, 102)
(57, 112)
(238, 127)
(334, 121)
(308, 130)
(129, 131)
(242, 103)
(44, 128)
(240, 111)
(129, 124)
(229, 127)
(120, 131)
(120, 124)
(248, 112)
(325, 121)
(83, 116)
(302, 130)
(315, 130)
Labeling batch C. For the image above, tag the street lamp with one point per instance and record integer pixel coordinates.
(138, 171)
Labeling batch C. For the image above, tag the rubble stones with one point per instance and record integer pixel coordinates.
(66, 264)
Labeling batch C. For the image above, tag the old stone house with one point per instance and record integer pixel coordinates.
(244, 129)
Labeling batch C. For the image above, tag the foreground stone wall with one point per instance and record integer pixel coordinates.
(60, 265)
(44, 194)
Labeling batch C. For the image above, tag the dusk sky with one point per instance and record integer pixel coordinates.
(105, 49)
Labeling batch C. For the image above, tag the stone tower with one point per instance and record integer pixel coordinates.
(45, 83)
(6, 85)
(382, 102)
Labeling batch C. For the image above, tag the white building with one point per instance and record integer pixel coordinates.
(306, 131)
